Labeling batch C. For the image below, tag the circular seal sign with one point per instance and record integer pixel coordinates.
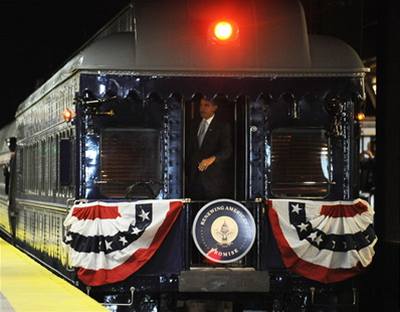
(224, 231)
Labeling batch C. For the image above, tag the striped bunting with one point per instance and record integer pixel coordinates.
(323, 241)
(109, 241)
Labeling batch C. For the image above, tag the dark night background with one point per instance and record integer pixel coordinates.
(38, 36)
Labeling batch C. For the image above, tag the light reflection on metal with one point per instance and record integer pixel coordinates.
(335, 107)
(293, 106)
(360, 116)
(108, 113)
(374, 83)
(102, 89)
(92, 159)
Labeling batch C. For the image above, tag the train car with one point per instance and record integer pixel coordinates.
(107, 139)
(7, 157)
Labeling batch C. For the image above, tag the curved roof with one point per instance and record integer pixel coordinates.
(172, 39)
(113, 52)
(333, 55)
(117, 52)
(272, 39)
(271, 35)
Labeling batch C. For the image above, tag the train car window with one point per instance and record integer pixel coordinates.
(7, 179)
(51, 165)
(4, 177)
(65, 162)
(40, 167)
(29, 169)
(129, 157)
(33, 170)
(73, 173)
(45, 171)
(299, 163)
(25, 168)
(36, 169)
(57, 164)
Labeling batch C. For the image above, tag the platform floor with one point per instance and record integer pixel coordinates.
(27, 286)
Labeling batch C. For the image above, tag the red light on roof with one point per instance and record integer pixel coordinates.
(224, 31)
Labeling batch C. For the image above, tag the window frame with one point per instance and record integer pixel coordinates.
(328, 178)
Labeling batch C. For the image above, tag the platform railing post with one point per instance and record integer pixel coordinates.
(258, 203)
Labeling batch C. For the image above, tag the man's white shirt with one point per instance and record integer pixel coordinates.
(208, 122)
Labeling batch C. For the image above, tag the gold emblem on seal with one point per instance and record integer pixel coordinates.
(224, 230)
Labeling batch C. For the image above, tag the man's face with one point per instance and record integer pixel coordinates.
(207, 109)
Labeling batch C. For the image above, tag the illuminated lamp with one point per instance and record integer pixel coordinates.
(224, 31)
(68, 115)
(360, 116)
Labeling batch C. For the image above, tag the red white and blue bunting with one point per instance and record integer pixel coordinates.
(109, 241)
(323, 241)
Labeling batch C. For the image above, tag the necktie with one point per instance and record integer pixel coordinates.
(202, 132)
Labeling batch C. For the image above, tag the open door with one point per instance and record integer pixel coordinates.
(231, 110)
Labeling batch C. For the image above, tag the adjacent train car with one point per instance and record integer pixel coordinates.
(7, 156)
(112, 126)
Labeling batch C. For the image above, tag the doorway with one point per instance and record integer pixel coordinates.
(231, 110)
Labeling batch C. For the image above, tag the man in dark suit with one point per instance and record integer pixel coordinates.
(210, 149)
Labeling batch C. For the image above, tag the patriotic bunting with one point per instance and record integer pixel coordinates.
(109, 241)
(323, 241)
